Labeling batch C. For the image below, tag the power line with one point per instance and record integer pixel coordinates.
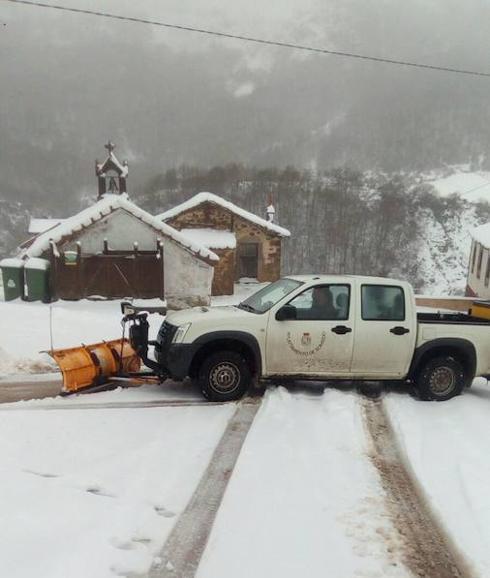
(253, 39)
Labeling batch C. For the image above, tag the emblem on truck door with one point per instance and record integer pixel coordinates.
(305, 342)
(306, 339)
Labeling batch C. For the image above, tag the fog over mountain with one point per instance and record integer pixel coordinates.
(69, 82)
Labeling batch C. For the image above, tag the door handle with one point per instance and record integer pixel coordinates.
(341, 329)
(399, 330)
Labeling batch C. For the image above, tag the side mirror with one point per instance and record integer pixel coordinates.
(287, 312)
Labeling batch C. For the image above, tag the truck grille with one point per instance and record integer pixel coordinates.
(164, 339)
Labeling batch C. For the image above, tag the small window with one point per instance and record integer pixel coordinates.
(480, 260)
(382, 303)
(487, 272)
(473, 258)
(323, 303)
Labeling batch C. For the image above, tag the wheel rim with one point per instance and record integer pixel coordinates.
(224, 377)
(442, 380)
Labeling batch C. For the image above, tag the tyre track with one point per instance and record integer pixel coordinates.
(426, 549)
(185, 545)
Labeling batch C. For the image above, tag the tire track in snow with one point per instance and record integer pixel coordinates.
(427, 551)
(185, 545)
(113, 405)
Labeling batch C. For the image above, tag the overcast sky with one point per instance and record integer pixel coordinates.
(69, 82)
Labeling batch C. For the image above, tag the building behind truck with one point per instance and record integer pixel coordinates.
(478, 279)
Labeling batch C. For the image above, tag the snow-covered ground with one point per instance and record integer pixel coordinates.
(95, 493)
(304, 499)
(446, 446)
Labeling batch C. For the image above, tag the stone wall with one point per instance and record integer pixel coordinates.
(210, 215)
(224, 272)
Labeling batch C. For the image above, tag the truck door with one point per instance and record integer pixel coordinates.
(385, 332)
(318, 339)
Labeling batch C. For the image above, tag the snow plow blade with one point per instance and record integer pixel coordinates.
(91, 365)
(480, 309)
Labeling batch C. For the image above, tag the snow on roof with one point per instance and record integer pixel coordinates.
(37, 226)
(123, 168)
(211, 238)
(106, 205)
(481, 235)
(212, 198)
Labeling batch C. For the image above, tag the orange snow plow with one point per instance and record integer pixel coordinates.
(95, 364)
(99, 364)
(480, 309)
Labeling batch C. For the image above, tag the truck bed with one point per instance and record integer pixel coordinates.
(451, 318)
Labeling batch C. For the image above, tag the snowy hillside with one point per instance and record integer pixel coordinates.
(444, 251)
(414, 226)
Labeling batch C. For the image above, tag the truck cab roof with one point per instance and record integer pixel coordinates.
(346, 278)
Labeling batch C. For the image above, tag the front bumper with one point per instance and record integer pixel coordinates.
(176, 359)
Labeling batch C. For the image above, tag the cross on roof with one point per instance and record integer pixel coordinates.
(110, 146)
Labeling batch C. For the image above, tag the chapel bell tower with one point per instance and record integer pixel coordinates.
(111, 174)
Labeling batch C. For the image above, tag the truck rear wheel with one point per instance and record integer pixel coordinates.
(440, 379)
(224, 376)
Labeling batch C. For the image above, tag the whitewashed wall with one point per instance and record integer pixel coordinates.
(476, 283)
(187, 279)
(121, 229)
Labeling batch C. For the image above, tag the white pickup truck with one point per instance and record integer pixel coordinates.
(324, 327)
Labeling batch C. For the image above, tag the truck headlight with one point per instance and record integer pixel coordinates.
(180, 333)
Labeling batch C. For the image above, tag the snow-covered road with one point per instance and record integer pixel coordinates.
(446, 447)
(303, 499)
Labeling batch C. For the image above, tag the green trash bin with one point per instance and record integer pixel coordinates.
(37, 280)
(13, 278)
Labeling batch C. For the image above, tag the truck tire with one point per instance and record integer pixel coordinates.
(224, 376)
(440, 379)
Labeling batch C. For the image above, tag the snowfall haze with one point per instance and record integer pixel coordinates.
(168, 97)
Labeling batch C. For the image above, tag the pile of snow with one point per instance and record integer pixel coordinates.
(14, 365)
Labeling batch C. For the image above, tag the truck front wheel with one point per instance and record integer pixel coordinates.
(224, 376)
(441, 378)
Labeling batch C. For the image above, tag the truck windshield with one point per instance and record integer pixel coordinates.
(267, 297)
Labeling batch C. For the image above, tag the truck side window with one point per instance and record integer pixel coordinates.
(323, 302)
(382, 303)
